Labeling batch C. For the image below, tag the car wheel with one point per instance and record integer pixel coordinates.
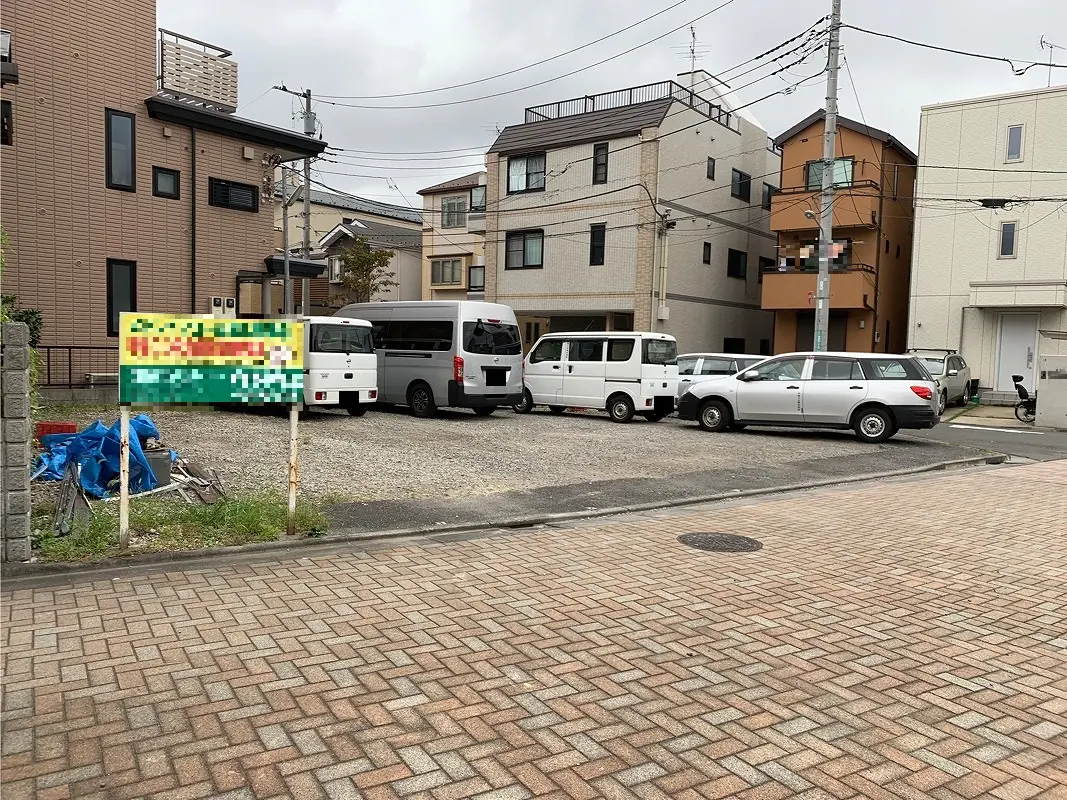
(484, 411)
(356, 409)
(874, 425)
(714, 416)
(964, 398)
(942, 403)
(525, 405)
(420, 399)
(653, 416)
(557, 410)
(620, 408)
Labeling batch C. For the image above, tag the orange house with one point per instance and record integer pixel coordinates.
(874, 177)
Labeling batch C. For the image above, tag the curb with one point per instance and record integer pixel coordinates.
(211, 556)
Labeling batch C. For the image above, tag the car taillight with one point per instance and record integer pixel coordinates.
(457, 369)
(373, 394)
(923, 392)
(320, 395)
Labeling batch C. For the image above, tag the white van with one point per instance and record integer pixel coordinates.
(623, 372)
(431, 353)
(340, 368)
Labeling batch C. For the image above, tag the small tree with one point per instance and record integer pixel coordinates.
(364, 272)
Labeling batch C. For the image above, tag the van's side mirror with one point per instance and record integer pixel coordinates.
(751, 375)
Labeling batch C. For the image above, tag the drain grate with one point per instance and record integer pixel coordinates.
(720, 542)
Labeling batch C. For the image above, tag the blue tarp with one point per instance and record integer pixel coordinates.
(96, 450)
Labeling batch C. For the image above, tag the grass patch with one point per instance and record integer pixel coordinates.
(165, 524)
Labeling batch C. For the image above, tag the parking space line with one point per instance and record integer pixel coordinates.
(995, 430)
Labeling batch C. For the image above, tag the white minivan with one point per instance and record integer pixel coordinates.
(340, 368)
(435, 353)
(620, 371)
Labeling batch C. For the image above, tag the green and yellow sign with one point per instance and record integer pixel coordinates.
(167, 359)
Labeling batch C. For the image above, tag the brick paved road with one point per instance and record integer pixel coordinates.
(876, 647)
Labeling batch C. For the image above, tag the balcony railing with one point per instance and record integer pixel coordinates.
(632, 96)
(78, 366)
(197, 72)
(812, 268)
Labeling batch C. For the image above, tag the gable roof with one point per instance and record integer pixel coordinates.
(596, 126)
(375, 233)
(361, 204)
(852, 125)
(466, 182)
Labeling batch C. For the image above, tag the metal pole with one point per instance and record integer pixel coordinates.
(826, 211)
(287, 283)
(294, 468)
(309, 130)
(124, 476)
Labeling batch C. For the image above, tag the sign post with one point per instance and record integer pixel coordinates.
(167, 360)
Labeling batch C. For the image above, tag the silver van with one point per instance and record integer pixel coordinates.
(432, 354)
(874, 394)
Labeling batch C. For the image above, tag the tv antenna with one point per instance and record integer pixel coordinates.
(1047, 45)
(693, 52)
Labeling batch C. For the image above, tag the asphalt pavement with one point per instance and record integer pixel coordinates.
(1031, 443)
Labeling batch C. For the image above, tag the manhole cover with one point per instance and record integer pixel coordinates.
(720, 542)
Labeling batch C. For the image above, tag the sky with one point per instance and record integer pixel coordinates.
(349, 48)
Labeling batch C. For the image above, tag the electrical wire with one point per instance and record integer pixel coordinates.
(509, 72)
(1010, 62)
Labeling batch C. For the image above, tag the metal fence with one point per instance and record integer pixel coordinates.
(78, 366)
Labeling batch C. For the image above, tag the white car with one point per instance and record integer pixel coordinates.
(873, 394)
(694, 368)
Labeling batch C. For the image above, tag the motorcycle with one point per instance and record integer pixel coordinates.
(1026, 408)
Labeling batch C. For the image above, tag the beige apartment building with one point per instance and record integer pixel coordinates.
(641, 208)
(124, 192)
(453, 239)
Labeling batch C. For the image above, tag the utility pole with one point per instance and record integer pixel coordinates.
(309, 130)
(826, 210)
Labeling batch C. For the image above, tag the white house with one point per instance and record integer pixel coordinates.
(990, 275)
(642, 208)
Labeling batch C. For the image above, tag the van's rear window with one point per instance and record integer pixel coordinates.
(341, 339)
(658, 351)
(491, 339)
(894, 369)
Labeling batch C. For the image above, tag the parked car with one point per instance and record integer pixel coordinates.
(874, 394)
(458, 353)
(622, 372)
(340, 368)
(950, 373)
(694, 368)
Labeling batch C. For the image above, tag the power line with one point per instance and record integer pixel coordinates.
(1010, 62)
(509, 72)
(539, 83)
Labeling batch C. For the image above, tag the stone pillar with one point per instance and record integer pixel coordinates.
(15, 441)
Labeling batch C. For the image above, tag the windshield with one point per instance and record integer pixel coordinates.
(935, 365)
(491, 339)
(658, 351)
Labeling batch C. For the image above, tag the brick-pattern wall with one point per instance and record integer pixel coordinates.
(15, 441)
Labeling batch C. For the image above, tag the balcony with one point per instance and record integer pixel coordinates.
(196, 72)
(850, 288)
(854, 206)
(9, 70)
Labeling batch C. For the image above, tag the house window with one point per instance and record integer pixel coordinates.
(120, 156)
(7, 130)
(121, 291)
(1008, 239)
(842, 173)
(478, 199)
(732, 344)
(454, 212)
(1015, 143)
(333, 267)
(597, 235)
(741, 185)
(524, 250)
(707, 252)
(165, 183)
(476, 283)
(227, 194)
(768, 191)
(736, 264)
(526, 173)
(711, 168)
(600, 163)
(446, 271)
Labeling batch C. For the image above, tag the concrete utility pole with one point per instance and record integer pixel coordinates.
(826, 210)
(309, 130)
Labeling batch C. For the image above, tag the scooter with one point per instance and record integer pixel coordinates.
(1026, 408)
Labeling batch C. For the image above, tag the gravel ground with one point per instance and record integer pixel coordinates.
(390, 455)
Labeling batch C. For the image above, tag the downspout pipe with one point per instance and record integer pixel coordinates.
(192, 220)
(882, 169)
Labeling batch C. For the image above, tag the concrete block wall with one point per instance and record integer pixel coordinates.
(15, 441)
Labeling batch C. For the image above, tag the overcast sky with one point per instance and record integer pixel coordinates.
(376, 47)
